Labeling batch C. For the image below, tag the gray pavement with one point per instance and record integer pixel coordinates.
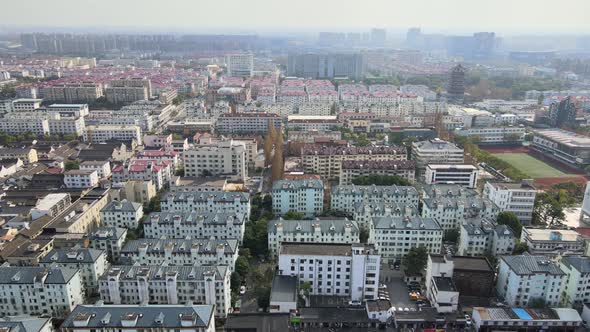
(397, 288)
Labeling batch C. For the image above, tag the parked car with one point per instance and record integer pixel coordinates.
(242, 290)
(355, 303)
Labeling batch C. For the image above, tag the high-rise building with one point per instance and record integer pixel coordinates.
(456, 89)
(412, 38)
(378, 37)
(240, 65)
(562, 113)
(314, 65)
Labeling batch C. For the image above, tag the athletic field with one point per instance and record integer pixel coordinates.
(531, 166)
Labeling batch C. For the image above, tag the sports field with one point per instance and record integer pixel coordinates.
(531, 166)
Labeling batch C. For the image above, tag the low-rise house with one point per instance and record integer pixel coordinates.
(81, 178)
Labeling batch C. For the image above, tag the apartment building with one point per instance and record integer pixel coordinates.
(82, 216)
(91, 263)
(316, 107)
(525, 278)
(102, 167)
(552, 242)
(239, 65)
(71, 93)
(129, 318)
(452, 205)
(364, 212)
(495, 135)
(247, 123)
(181, 252)
(576, 291)
(66, 125)
(393, 237)
(316, 231)
(345, 198)
(485, 238)
(104, 133)
(352, 169)
(333, 269)
(36, 290)
(142, 285)
(225, 158)
(129, 90)
(178, 225)
(162, 154)
(121, 214)
(27, 155)
(51, 205)
(436, 151)
(207, 202)
(77, 178)
(304, 196)
(19, 105)
(518, 198)
(464, 175)
(159, 172)
(108, 239)
(327, 160)
(139, 191)
(19, 125)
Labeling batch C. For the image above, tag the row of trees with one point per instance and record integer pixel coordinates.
(381, 180)
(273, 150)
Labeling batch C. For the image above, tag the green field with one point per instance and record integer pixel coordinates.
(530, 165)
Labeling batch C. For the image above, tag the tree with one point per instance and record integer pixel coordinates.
(415, 261)
(277, 161)
(268, 145)
(380, 180)
(235, 282)
(511, 220)
(305, 288)
(451, 235)
(72, 164)
(363, 235)
(256, 237)
(549, 206)
(293, 215)
(262, 297)
(520, 248)
(242, 266)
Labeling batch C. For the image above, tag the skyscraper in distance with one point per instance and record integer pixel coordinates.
(456, 89)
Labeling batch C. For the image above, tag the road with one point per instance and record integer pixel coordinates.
(397, 288)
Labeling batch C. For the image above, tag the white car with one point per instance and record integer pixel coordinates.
(242, 290)
(355, 303)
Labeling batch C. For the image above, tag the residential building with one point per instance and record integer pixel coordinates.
(121, 214)
(312, 122)
(327, 160)
(330, 65)
(543, 241)
(239, 65)
(129, 90)
(36, 290)
(443, 294)
(247, 123)
(563, 146)
(139, 191)
(526, 278)
(91, 263)
(576, 291)
(74, 92)
(51, 205)
(141, 285)
(104, 133)
(18, 125)
(485, 238)
(159, 172)
(225, 158)
(27, 324)
(464, 175)
(27, 155)
(207, 202)
(473, 277)
(82, 216)
(393, 237)
(108, 239)
(352, 169)
(322, 230)
(181, 252)
(518, 198)
(303, 196)
(436, 151)
(364, 212)
(102, 167)
(344, 198)
(533, 320)
(149, 318)
(495, 135)
(76, 178)
(452, 205)
(333, 269)
(66, 125)
(562, 113)
(19, 105)
(196, 224)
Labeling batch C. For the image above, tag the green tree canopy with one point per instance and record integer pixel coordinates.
(293, 215)
(451, 235)
(380, 180)
(415, 260)
(511, 220)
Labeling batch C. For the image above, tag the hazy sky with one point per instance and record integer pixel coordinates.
(508, 16)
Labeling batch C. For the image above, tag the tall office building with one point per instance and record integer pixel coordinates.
(456, 89)
(562, 113)
(314, 65)
(378, 37)
(413, 38)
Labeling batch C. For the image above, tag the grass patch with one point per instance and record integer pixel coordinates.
(531, 166)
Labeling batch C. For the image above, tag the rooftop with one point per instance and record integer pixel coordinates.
(527, 264)
(565, 137)
(415, 223)
(445, 284)
(543, 234)
(284, 289)
(307, 226)
(288, 248)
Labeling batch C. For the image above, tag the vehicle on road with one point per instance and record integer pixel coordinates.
(242, 290)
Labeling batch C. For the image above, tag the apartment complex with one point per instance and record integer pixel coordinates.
(104, 133)
(352, 169)
(121, 214)
(247, 123)
(239, 65)
(178, 225)
(485, 238)
(436, 151)
(518, 198)
(304, 196)
(225, 158)
(345, 198)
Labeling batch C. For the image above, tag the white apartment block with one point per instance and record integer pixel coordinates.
(19, 105)
(327, 160)
(247, 123)
(494, 135)
(352, 169)
(304, 196)
(552, 242)
(102, 167)
(91, 263)
(393, 237)
(73, 110)
(315, 108)
(63, 125)
(364, 212)
(518, 198)
(121, 214)
(207, 202)
(51, 205)
(80, 179)
(179, 225)
(487, 238)
(239, 65)
(440, 287)
(464, 175)
(103, 133)
(15, 126)
(108, 239)
(576, 291)
(130, 318)
(345, 198)
(316, 231)
(225, 158)
(142, 285)
(524, 278)
(181, 252)
(333, 269)
(436, 151)
(28, 290)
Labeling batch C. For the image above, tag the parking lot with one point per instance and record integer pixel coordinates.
(397, 288)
